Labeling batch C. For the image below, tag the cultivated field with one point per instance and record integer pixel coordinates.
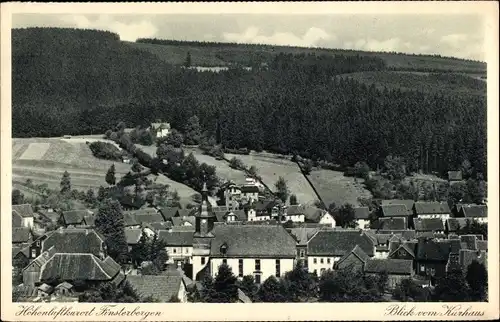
(270, 167)
(333, 186)
(44, 160)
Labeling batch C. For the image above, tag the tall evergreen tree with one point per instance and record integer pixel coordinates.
(110, 222)
(65, 183)
(110, 175)
(281, 189)
(477, 278)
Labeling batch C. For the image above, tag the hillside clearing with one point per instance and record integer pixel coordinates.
(270, 167)
(333, 186)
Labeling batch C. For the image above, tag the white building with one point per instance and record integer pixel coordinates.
(161, 129)
(295, 213)
(179, 245)
(258, 250)
(431, 210)
(328, 246)
(22, 215)
(362, 215)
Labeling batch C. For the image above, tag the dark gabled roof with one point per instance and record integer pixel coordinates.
(394, 211)
(45, 288)
(294, 210)
(17, 219)
(428, 224)
(361, 212)
(73, 217)
(453, 224)
(162, 225)
(89, 220)
(455, 175)
(86, 267)
(21, 234)
(409, 248)
(53, 216)
(433, 251)
(160, 287)
(24, 210)
(183, 228)
(467, 256)
(133, 235)
(313, 214)
(406, 234)
(264, 205)
(474, 211)
(424, 208)
(389, 265)
(396, 223)
(132, 202)
(383, 239)
(179, 238)
(249, 189)
(64, 285)
(130, 219)
(169, 212)
(179, 221)
(408, 203)
(253, 241)
(339, 242)
(74, 241)
(148, 218)
(302, 235)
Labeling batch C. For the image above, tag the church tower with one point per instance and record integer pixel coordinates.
(204, 218)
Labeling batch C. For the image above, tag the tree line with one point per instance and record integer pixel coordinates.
(294, 106)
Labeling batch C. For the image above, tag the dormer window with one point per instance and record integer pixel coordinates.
(223, 249)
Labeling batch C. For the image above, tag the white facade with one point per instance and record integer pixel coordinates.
(252, 216)
(319, 264)
(28, 222)
(428, 216)
(363, 223)
(180, 253)
(250, 196)
(162, 133)
(268, 266)
(295, 218)
(381, 254)
(327, 219)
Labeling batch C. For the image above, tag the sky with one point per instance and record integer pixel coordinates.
(453, 35)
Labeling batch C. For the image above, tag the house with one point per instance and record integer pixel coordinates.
(403, 250)
(362, 216)
(64, 289)
(232, 192)
(69, 267)
(77, 218)
(320, 216)
(179, 245)
(452, 225)
(133, 236)
(432, 256)
(129, 202)
(396, 269)
(474, 212)
(393, 223)
(155, 226)
(169, 212)
(231, 216)
(44, 290)
(146, 218)
(161, 129)
(25, 212)
(391, 211)
(302, 236)
(408, 203)
(433, 209)
(454, 176)
(49, 215)
(258, 250)
(21, 235)
(160, 287)
(262, 210)
(130, 221)
(382, 245)
(249, 193)
(295, 213)
(433, 225)
(183, 221)
(328, 246)
(354, 260)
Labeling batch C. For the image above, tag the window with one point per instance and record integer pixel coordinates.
(186, 251)
(203, 261)
(321, 260)
(315, 260)
(175, 250)
(33, 253)
(422, 268)
(240, 268)
(257, 264)
(401, 253)
(278, 268)
(257, 278)
(224, 261)
(302, 254)
(328, 260)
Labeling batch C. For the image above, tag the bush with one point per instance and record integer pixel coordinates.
(105, 150)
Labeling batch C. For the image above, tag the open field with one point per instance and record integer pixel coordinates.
(72, 155)
(333, 186)
(425, 82)
(270, 167)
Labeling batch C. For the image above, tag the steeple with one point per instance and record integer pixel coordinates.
(205, 218)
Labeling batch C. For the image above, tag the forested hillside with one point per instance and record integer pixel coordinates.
(69, 81)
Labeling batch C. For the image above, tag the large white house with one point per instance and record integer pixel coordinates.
(22, 215)
(258, 250)
(161, 129)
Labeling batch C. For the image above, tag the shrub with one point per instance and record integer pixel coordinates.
(105, 150)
